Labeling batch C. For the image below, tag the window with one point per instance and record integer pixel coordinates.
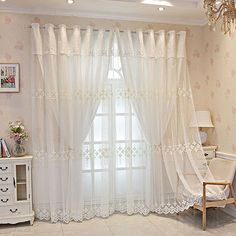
(114, 143)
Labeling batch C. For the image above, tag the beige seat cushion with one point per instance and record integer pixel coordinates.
(222, 170)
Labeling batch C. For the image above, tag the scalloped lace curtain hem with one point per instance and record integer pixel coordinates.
(105, 211)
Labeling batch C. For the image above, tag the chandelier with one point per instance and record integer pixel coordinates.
(223, 10)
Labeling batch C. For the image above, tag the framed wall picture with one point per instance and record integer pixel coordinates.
(9, 77)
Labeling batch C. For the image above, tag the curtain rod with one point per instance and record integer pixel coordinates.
(71, 28)
(107, 30)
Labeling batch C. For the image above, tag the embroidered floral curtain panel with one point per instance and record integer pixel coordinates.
(77, 177)
(70, 70)
(155, 71)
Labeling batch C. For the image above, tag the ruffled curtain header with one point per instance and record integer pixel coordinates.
(69, 42)
(151, 44)
(155, 45)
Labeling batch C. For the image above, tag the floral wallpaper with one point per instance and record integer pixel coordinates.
(220, 72)
(15, 47)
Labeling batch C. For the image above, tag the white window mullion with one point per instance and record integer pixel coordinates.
(92, 161)
(129, 157)
(112, 144)
(130, 134)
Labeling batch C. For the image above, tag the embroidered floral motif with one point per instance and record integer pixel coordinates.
(121, 151)
(105, 94)
(183, 92)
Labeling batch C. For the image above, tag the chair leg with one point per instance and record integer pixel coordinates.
(204, 207)
(233, 194)
(204, 219)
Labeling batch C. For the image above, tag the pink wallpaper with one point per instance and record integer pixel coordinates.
(220, 67)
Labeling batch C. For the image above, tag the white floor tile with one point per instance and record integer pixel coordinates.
(120, 219)
(187, 223)
(8, 234)
(39, 227)
(38, 234)
(89, 232)
(135, 229)
(7, 230)
(91, 224)
(86, 228)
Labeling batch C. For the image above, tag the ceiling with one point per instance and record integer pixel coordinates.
(181, 12)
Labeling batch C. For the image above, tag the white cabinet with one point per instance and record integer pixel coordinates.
(209, 152)
(15, 190)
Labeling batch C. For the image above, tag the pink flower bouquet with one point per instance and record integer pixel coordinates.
(17, 131)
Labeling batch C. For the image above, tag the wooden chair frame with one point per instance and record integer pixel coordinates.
(214, 203)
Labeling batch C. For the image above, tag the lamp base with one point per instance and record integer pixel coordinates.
(203, 136)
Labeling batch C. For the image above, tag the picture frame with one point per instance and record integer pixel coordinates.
(9, 77)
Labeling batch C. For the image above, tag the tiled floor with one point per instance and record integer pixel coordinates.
(187, 223)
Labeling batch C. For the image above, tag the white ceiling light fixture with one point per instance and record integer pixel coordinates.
(70, 1)
(3, 0)
(157, 2)
(161, 8)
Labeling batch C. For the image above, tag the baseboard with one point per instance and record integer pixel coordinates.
(229, 209)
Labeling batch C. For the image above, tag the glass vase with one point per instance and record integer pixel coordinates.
(19, 149)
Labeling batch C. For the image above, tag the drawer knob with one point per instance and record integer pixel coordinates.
(206, 154)
(4, 201)
(4, 179)
(13, 211)
(3, 169)
(4, 190)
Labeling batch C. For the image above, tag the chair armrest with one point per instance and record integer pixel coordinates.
(215, 183)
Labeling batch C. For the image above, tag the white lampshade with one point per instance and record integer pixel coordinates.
(203, 119)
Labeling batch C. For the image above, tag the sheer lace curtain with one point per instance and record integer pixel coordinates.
(111, 114)
(155, 73)
(70, 72)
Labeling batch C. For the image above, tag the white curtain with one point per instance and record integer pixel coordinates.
(92, 91)
(155, 72)
(69, 72)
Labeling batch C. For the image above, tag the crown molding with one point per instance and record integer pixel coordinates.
(190, 4)
(95, 15)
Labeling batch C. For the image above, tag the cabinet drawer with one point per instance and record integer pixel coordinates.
(5, 200)
(5, 168)
(14, 210)
(209, 154)
(6, 179)
(5, 190)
